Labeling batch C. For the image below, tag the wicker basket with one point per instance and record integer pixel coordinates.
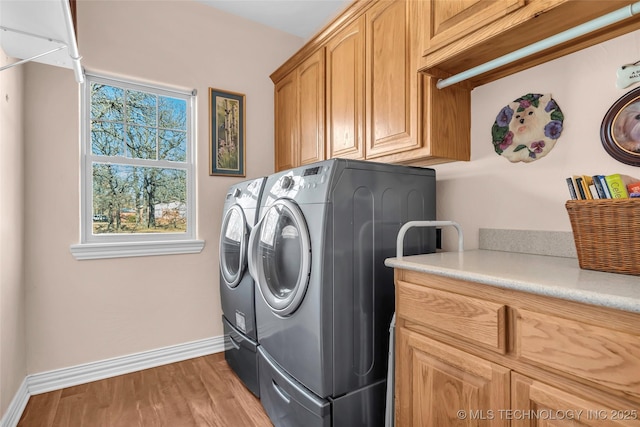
(607, 234)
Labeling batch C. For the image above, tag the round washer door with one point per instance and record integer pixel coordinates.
(233, 246)
(280, 258)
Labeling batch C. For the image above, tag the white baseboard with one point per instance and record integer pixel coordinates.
(88, 372)
(16, 407)
(81, 374)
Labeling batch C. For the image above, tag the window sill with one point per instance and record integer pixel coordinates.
(84, 251)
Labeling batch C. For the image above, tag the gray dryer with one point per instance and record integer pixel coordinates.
(325, 297)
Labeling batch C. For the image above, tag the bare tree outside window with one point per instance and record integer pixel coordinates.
(139, 166)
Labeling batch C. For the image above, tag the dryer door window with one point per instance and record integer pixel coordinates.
(233, 246)
(281, 256)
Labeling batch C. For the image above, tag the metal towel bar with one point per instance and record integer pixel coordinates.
(412, 224)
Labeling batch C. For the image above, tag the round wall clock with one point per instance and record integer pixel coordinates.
(528, 128)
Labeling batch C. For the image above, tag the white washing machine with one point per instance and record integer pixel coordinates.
(237, 287)
(325, 297)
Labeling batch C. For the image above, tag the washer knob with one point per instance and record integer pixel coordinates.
(287, 182)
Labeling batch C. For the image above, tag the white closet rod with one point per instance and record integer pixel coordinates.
(580, 30)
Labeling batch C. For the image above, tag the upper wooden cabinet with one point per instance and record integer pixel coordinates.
(451, 20)
(345, 92)
(299, 107)
(286, 126)
(311, 108)
(378, 107)
(464, 34)
(372, 85)
(392, 91)
(375, 95)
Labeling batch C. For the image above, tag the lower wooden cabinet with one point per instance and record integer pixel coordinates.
(522, 360)
(535, 403)
(439, 385)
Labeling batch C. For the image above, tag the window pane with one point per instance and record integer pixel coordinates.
(172, 113)
(133, 199)
(173, 145)
(141, 108)
(107, 102)
(137, 143)
(107, 139)
(141, 142)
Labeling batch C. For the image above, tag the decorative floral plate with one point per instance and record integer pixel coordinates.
(527, 129)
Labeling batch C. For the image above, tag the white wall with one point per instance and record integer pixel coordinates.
(83, 311)
(491, 192)
(13, 367)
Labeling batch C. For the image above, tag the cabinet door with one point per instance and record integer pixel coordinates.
(311, 108)
(286, 122)
(452, 19)
(438, 385)
(538, 404)
(345, 92)
(392, 79)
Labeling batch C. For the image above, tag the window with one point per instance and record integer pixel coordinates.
(137, 170)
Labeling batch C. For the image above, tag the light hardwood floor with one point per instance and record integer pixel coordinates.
(198, 392)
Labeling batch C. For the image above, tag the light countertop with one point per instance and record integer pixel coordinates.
(537, 274)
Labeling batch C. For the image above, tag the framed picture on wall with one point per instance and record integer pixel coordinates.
(226, 133)
(620, 130)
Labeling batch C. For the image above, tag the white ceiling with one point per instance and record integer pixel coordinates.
(302, 18)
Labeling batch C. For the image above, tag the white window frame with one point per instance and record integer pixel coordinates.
(95, 246)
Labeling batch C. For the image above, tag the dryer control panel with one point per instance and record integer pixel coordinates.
(302, 184)
(314, 176)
